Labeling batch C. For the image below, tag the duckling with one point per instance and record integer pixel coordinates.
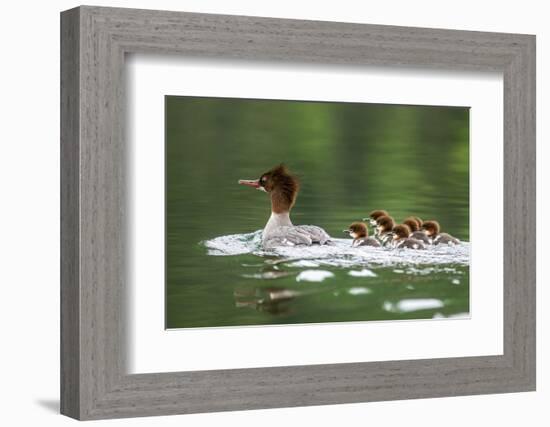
(384, 227)
(359, 232)
(417, 220)
(374, 215)
(416, 233)
(432, 229)
(412, 224)
(401, 238)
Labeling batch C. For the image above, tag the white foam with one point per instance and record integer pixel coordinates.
(313, 275)
(362, 273)
(304, 263)
(234, 244)
(359, 291)
(413, 304)
(340, 253)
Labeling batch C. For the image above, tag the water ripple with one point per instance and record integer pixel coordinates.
(340, 253)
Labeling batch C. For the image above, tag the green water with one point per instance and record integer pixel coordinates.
(351, 159)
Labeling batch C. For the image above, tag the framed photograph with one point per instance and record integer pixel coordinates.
(262, 213)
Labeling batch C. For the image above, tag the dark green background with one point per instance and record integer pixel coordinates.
(351, 158)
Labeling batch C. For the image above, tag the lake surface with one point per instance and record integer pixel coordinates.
(351, 159)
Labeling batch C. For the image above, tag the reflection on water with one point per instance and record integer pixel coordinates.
(351, 159)
(270, 299)
(306, 264)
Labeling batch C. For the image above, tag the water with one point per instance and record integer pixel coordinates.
(351, 158)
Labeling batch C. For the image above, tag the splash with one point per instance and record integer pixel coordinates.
(340, 254)
(408, 305)
(359, 290)
(362, 273)
(313, 276)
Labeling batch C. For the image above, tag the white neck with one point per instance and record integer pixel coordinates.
(276, 220)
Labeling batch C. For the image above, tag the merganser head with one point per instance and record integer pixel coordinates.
(412, 224)
(431, 227)
(401, 231)
(374, 215)
(357, 230)
(384, 224)
(280, 183)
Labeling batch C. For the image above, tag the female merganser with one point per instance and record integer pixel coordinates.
(374, 215)
(384, 227)
(401, 238)
(283, 188)
(416, 233)
(432, 230)
(359, 232)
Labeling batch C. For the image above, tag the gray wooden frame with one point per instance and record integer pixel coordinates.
(94, 41)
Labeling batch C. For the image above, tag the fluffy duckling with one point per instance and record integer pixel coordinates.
(415, 219)
(401, 238)
(374, 215)
(412, 224)
(384, 227)
(416, 233)
(359, 232)
(432, 229)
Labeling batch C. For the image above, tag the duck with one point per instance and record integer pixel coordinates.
(374, 215)
(416, 233)
(360, 234)
(416, 219)
(401, 238)
(432, 229)
(384, 227)
(282, 187)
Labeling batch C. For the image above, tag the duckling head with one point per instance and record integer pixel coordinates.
(401, 231)
(431, 227)
(374, 215)
(357, 230)
(385, 224)
(412, 224)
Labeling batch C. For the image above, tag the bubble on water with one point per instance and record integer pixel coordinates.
(359, 291)
(313, 275)
(420, 271)
(388, 306)
(455, 282)
(362, 273)
(398, 271)
(339, 253)
(413, 304)
(424, 271)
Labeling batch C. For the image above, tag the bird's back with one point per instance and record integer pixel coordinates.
(295, 235)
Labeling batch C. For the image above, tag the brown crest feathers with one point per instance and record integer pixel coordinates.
(360, 228)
